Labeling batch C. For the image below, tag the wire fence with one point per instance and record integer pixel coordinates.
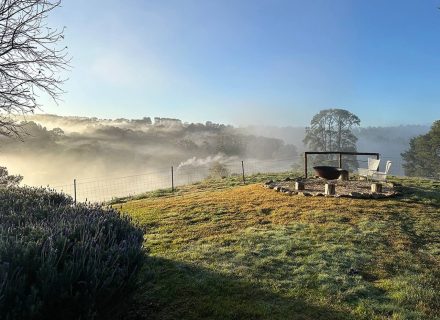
(103, 189)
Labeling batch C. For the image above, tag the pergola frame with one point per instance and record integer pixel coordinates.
(340, 153)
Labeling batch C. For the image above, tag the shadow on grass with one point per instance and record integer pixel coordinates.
(173, 290)
(418, 190)
(420, 194)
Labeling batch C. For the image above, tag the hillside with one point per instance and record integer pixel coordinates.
(64, 148)
(219, 250)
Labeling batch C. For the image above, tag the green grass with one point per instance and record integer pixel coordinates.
(221, 250)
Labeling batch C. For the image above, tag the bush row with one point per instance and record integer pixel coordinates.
(60, 261)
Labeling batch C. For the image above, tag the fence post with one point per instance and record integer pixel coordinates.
(340, 160)
(74, 191)
(242, 171)
(172, 179)
(305, 165)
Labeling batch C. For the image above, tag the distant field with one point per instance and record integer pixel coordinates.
(218, 250)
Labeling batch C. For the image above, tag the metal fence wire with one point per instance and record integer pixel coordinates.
(104, 189)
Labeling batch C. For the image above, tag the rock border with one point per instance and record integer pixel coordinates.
(304, 193)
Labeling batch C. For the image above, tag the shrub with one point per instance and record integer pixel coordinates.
(7, 180)
(62, 261)
(218, 170)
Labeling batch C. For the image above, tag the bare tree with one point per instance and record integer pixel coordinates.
(31, 56)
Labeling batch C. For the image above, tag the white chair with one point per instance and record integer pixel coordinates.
(382, 176)
(373, 166)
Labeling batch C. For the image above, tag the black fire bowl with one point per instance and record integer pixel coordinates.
(327, 172)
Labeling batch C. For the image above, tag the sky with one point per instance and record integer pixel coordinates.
(251, 62)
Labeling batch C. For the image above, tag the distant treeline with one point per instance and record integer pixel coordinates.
(142, 138)
(55, 146)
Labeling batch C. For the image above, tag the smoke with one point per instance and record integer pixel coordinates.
(195, 162)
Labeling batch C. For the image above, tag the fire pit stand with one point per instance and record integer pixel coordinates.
(340, 153)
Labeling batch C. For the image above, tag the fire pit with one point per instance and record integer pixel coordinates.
(327, 172)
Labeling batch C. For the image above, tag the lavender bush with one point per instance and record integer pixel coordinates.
(59, 261)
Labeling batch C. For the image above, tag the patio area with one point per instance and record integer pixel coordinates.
(318, 187)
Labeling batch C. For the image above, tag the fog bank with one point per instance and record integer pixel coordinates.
(56, 149)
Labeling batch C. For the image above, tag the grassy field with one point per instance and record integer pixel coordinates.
(219, 250)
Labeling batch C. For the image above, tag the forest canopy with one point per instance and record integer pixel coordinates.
(423, 156)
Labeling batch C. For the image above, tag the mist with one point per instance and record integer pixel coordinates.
(389, 141)
(54, 150)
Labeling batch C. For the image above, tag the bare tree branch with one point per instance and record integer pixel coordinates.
(31, 56)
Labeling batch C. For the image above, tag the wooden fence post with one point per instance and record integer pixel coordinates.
(242, 171)
(74, 191)
(172, 179)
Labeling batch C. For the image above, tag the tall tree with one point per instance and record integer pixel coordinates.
(331, 130)
(30, 58)
(423, 156)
